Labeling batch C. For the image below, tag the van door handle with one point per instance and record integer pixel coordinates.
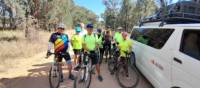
(177, 60)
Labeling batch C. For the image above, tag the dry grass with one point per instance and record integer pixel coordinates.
(13, 45)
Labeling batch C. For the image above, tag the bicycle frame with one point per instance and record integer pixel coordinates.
(55, 71)
(87, 64)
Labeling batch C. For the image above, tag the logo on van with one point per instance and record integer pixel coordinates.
(157, 64)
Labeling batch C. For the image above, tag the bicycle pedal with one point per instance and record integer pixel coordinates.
(81, 81)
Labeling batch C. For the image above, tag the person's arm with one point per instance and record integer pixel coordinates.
(72, 39)
(68, 42)
(50, 45)
(83, 43)
(97, 42)
(130, 45)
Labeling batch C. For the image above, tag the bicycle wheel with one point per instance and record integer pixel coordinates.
(54, 76)
(111, 64)
(127, 80)
(83, 79)
(106, 53)
(132, 60)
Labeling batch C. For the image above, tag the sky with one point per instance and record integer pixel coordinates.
(95, 6)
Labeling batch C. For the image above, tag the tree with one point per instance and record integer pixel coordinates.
(130, 12)
(51, 11)
(111, 12)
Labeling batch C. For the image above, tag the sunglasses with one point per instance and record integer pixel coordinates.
(61, 28)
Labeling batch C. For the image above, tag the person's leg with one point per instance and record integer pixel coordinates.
(75, 56)
(101, 55)
(109, 46)
(69, 64)
(78, 52)
(59, 60)
(104, 47)
(126, 67)
(69, 67)
(95, 62)
(106, 50)
(98, 69)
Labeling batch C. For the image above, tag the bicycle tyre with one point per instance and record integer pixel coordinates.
(59, 77)
(76, 82)
(111, 64)
(119, 81)
(106, 54)
(132, 60)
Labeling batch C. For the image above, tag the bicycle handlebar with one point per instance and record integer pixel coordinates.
(50, 53)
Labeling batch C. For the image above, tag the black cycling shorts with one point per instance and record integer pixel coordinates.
(65, 55)
(107, 45)
(93, 57)
(77, 51)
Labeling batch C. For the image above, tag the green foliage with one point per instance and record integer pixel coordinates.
(52, 11)
(129, 14)
(81, 14)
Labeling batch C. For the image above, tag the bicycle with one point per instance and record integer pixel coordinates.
(106, 52)
(126, 73)
(84, 74)
(112, 61)
(55, 72)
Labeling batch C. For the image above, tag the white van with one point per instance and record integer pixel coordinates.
(168, 56)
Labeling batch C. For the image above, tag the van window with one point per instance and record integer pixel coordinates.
(155, 38)
(190, 43)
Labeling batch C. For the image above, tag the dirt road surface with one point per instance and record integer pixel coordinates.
(33, 73)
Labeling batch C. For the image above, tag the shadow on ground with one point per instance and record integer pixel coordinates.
(37, 78)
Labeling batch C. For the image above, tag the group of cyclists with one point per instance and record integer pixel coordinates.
(87, 40)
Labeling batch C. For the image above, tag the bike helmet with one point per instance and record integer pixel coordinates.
(78, 29)
(124, 34)
(89, 26)
(119, 28)
(108, 27)
(61, 25)
(99, 30)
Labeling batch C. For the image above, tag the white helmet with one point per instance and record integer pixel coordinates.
(119, 28)
(61, 25)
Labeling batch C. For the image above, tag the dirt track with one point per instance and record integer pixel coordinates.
(33, 73)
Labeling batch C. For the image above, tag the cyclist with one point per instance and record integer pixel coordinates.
(89, 45)
(100, 42)
(118, 36)
(107, 39)
(76, 42)
(125, 46)
(61, 44)
(83, 31)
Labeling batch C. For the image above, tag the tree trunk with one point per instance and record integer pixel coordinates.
(4, 19)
